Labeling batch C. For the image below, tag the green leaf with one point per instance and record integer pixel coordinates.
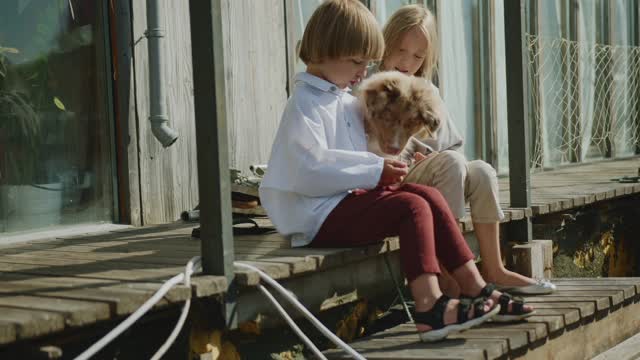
(59, 103)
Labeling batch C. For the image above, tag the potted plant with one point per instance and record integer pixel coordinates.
(29, 197)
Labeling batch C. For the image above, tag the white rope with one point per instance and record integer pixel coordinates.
(188, 271)
(190, 268)
(292, 323)
(323, 329)
(93, 349)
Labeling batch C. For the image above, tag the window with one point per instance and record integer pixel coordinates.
(55, 120)
(584, 76)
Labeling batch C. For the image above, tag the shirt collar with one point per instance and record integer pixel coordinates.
(319, 83)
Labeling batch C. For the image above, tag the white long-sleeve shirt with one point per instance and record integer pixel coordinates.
(318, 155)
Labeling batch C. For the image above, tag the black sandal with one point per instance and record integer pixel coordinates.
(435, 318)
(517, 312)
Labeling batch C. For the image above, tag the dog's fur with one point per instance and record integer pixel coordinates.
(396, 107)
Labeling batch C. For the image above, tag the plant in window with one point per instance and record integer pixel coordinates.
(20, 127)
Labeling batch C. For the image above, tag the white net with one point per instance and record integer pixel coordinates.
(584, 100)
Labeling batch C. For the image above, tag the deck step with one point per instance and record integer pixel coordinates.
(585, 317)
(626, 350)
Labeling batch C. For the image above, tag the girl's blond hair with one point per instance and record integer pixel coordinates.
(341, 28)
(401, 22)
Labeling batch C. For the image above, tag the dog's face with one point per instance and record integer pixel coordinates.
(396, 107)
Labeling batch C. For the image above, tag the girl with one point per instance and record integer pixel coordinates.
(324, 189)
(412, 48)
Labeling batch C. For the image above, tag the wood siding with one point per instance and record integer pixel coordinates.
(256, 75)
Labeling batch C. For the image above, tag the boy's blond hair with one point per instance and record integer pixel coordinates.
(401, 22)
(341, 28)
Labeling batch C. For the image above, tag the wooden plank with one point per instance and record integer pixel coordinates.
(552, 323)
(535, 330)
(207, 285)
(601, 302)
(273, 269)
(121, 302)
(516, 338)
(543, 314)
(539, 209)
(7, 331)
(586, 309)
(405, 335)
(30, 323)
(76, 313)
(628, 291)
(601, 281)
(297, 265)
(394, 348)
(615, 296)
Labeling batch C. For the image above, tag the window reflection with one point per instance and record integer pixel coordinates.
(55, 128)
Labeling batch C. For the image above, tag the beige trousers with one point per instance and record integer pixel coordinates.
(461, 181)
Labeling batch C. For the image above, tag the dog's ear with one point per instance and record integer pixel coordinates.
(371, 98)
(392, 89)
(426, 101)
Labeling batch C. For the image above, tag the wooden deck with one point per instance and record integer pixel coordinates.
(583, 318)
(49, 285)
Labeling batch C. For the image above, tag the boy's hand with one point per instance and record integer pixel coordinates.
(393, 172)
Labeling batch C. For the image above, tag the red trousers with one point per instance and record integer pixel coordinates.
(418, 214)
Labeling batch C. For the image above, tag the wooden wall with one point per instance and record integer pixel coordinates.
(256, 75)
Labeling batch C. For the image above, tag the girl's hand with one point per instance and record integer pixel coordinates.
(393, 172)
(417, 157)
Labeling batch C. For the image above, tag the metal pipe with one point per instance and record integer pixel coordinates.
(157, 101)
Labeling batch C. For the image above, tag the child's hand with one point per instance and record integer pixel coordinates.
(417, 157)
(393, 172)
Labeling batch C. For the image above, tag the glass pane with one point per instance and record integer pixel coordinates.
(457, 72)
(592, 67)
(55, 128)
(502, 151)
(303, 9)
(383, 9)
(624, 69)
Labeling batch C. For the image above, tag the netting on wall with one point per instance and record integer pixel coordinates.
(584, 100)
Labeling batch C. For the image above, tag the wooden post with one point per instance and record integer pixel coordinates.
(518, 117)
(484, 82)
(636, 43)
(572, 88)
(607, 77)
(214, 181)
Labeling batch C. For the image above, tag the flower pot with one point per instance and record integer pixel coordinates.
(30, 207)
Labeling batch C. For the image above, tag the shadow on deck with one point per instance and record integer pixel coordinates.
(51, 285)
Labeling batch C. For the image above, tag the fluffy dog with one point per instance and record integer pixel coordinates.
(396, 107)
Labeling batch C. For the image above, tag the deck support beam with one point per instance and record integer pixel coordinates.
(216, 230)
(518, 119)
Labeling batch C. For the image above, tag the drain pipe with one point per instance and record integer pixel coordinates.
(157, 101)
